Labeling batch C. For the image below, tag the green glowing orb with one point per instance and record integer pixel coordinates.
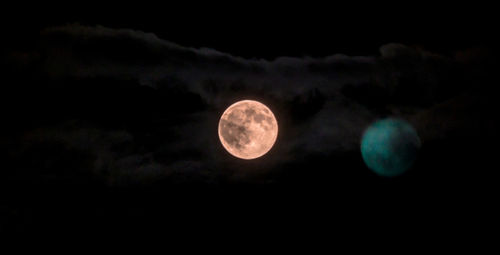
(389, 147)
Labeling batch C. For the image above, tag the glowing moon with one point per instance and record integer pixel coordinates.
(248, 129)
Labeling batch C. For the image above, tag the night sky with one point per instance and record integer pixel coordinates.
(110, 116)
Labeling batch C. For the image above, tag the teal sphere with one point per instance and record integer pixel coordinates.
(389, 147)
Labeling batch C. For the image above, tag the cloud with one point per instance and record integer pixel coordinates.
(151, 107)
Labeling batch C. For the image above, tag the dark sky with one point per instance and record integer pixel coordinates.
(110, 116)
(265, 30)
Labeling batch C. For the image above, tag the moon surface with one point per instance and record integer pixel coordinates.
(389, 147)
(248, 129)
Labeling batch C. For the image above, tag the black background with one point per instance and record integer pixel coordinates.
(452, 187)
(266, 30)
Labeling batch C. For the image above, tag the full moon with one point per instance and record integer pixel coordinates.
(248, 129)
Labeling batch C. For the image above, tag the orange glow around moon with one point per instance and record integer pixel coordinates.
(248, 129)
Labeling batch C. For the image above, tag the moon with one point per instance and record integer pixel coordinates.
(248, 129)
(389, 147)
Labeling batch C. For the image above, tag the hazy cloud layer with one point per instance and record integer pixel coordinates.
(151, 107)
